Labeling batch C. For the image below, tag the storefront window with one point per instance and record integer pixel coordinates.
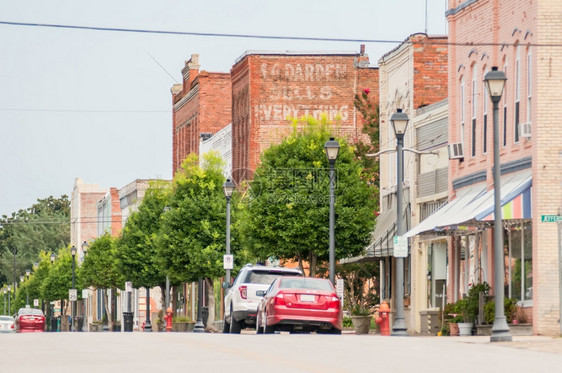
(518, 242)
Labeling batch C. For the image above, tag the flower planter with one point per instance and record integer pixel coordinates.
(465, 328)
(361, 324)
(453, 329)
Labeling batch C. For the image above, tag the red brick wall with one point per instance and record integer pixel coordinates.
(202, 106)
(116, 221)
(88, 217)
(430, 70)
(267, 89)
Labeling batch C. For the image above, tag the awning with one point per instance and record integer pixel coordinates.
(385, 230)
(476, 205)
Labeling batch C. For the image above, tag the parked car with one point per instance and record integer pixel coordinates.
(241, 300)
(7, 324)
(297, 304)
(30, 320)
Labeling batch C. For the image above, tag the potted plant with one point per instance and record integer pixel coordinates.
(468, 307)
(360, 293)
(450, 320)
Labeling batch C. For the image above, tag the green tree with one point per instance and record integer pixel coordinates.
(58, 281)
(136, 248)
(287, 209)
(43, 226)
(100, 270)
(192, 238)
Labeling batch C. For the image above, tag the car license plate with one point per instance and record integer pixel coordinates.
(307, 298)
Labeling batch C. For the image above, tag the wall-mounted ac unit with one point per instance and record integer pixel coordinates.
(455, 150)
(525, 129)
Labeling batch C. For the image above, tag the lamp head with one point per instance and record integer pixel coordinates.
(73, 250)
(495, 83)
(53, 257)
(399, 122)
(228, 188)
(332, 148)
(27, 272)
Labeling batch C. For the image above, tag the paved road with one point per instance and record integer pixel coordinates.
(189, 352)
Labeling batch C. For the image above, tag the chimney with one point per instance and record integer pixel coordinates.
(190, 72)
(362, 60)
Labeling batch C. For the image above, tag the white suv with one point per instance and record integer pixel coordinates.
(242, 299)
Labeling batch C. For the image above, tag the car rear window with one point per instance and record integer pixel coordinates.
(305, 283)
(31, 311)
(265, 277)
(6, 318)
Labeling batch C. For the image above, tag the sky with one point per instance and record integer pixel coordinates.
(97, 104)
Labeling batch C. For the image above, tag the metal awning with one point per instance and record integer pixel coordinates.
(473, 206)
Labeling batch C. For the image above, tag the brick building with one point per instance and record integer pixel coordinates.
(201, 105)
(514, 36)
(109, 214)
(269, 87)
(84, 213)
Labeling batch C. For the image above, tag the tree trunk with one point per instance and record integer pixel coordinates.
(108, 310)
(299, 258)
(210, 305)
(313, 261)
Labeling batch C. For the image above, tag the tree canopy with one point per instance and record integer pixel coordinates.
(287, 209)
(136, 248)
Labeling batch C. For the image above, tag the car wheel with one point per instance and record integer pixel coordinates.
(226, 326)
(259, 329)
(235, 326)
(267, 329)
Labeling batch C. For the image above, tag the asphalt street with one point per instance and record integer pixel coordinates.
(288, 353)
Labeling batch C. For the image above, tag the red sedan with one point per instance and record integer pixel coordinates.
(300, 304)
(30, 320)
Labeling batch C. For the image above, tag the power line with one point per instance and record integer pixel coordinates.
(270, 37)
(82, 110)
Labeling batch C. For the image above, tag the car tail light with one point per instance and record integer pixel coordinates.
(335, 302)
(243, 292)
(279, 300)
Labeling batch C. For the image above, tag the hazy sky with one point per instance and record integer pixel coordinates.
(97, 104)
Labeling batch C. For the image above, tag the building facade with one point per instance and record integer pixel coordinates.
(413, 78)
(201, 105)
(269, 88)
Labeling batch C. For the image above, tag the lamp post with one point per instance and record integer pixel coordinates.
(85, 313)
(495, 82)
(73, 252)
(399, 122)
(27, 273)
(9, 299)
(332, 147)
(147, 323)
(228, 188)
(199, 327)
(4, 291)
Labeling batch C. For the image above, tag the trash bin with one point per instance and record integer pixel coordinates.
(54, 323)
(79, 323)
(128, 321)
(205, 315)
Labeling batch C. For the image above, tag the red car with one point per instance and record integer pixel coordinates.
(300, 304)
(30, 320)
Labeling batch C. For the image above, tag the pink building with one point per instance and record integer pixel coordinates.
(513, 35)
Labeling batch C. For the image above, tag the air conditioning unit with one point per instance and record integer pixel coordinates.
(455, 150)
(525, 129)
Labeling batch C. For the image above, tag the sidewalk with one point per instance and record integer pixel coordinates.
(535, 342)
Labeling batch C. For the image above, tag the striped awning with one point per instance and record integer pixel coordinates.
(514, 206)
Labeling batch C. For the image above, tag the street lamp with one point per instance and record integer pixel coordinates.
(27, 273)
(9, 299)
(147, 323)
(399, 122)
(495, 82)
(199, 327)
(228, 188)
(332, 148)
(73, 252)
(4, 291)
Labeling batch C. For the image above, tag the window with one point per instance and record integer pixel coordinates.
(529, 84)
(504, 139)
(473, 109)
(520, 270)
(485, 120)
(461, 95)
(517, 92)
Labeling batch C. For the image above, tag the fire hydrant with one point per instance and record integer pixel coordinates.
(168, 319)
(383, 319)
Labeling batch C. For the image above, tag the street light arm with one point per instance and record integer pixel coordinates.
(405, 149)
